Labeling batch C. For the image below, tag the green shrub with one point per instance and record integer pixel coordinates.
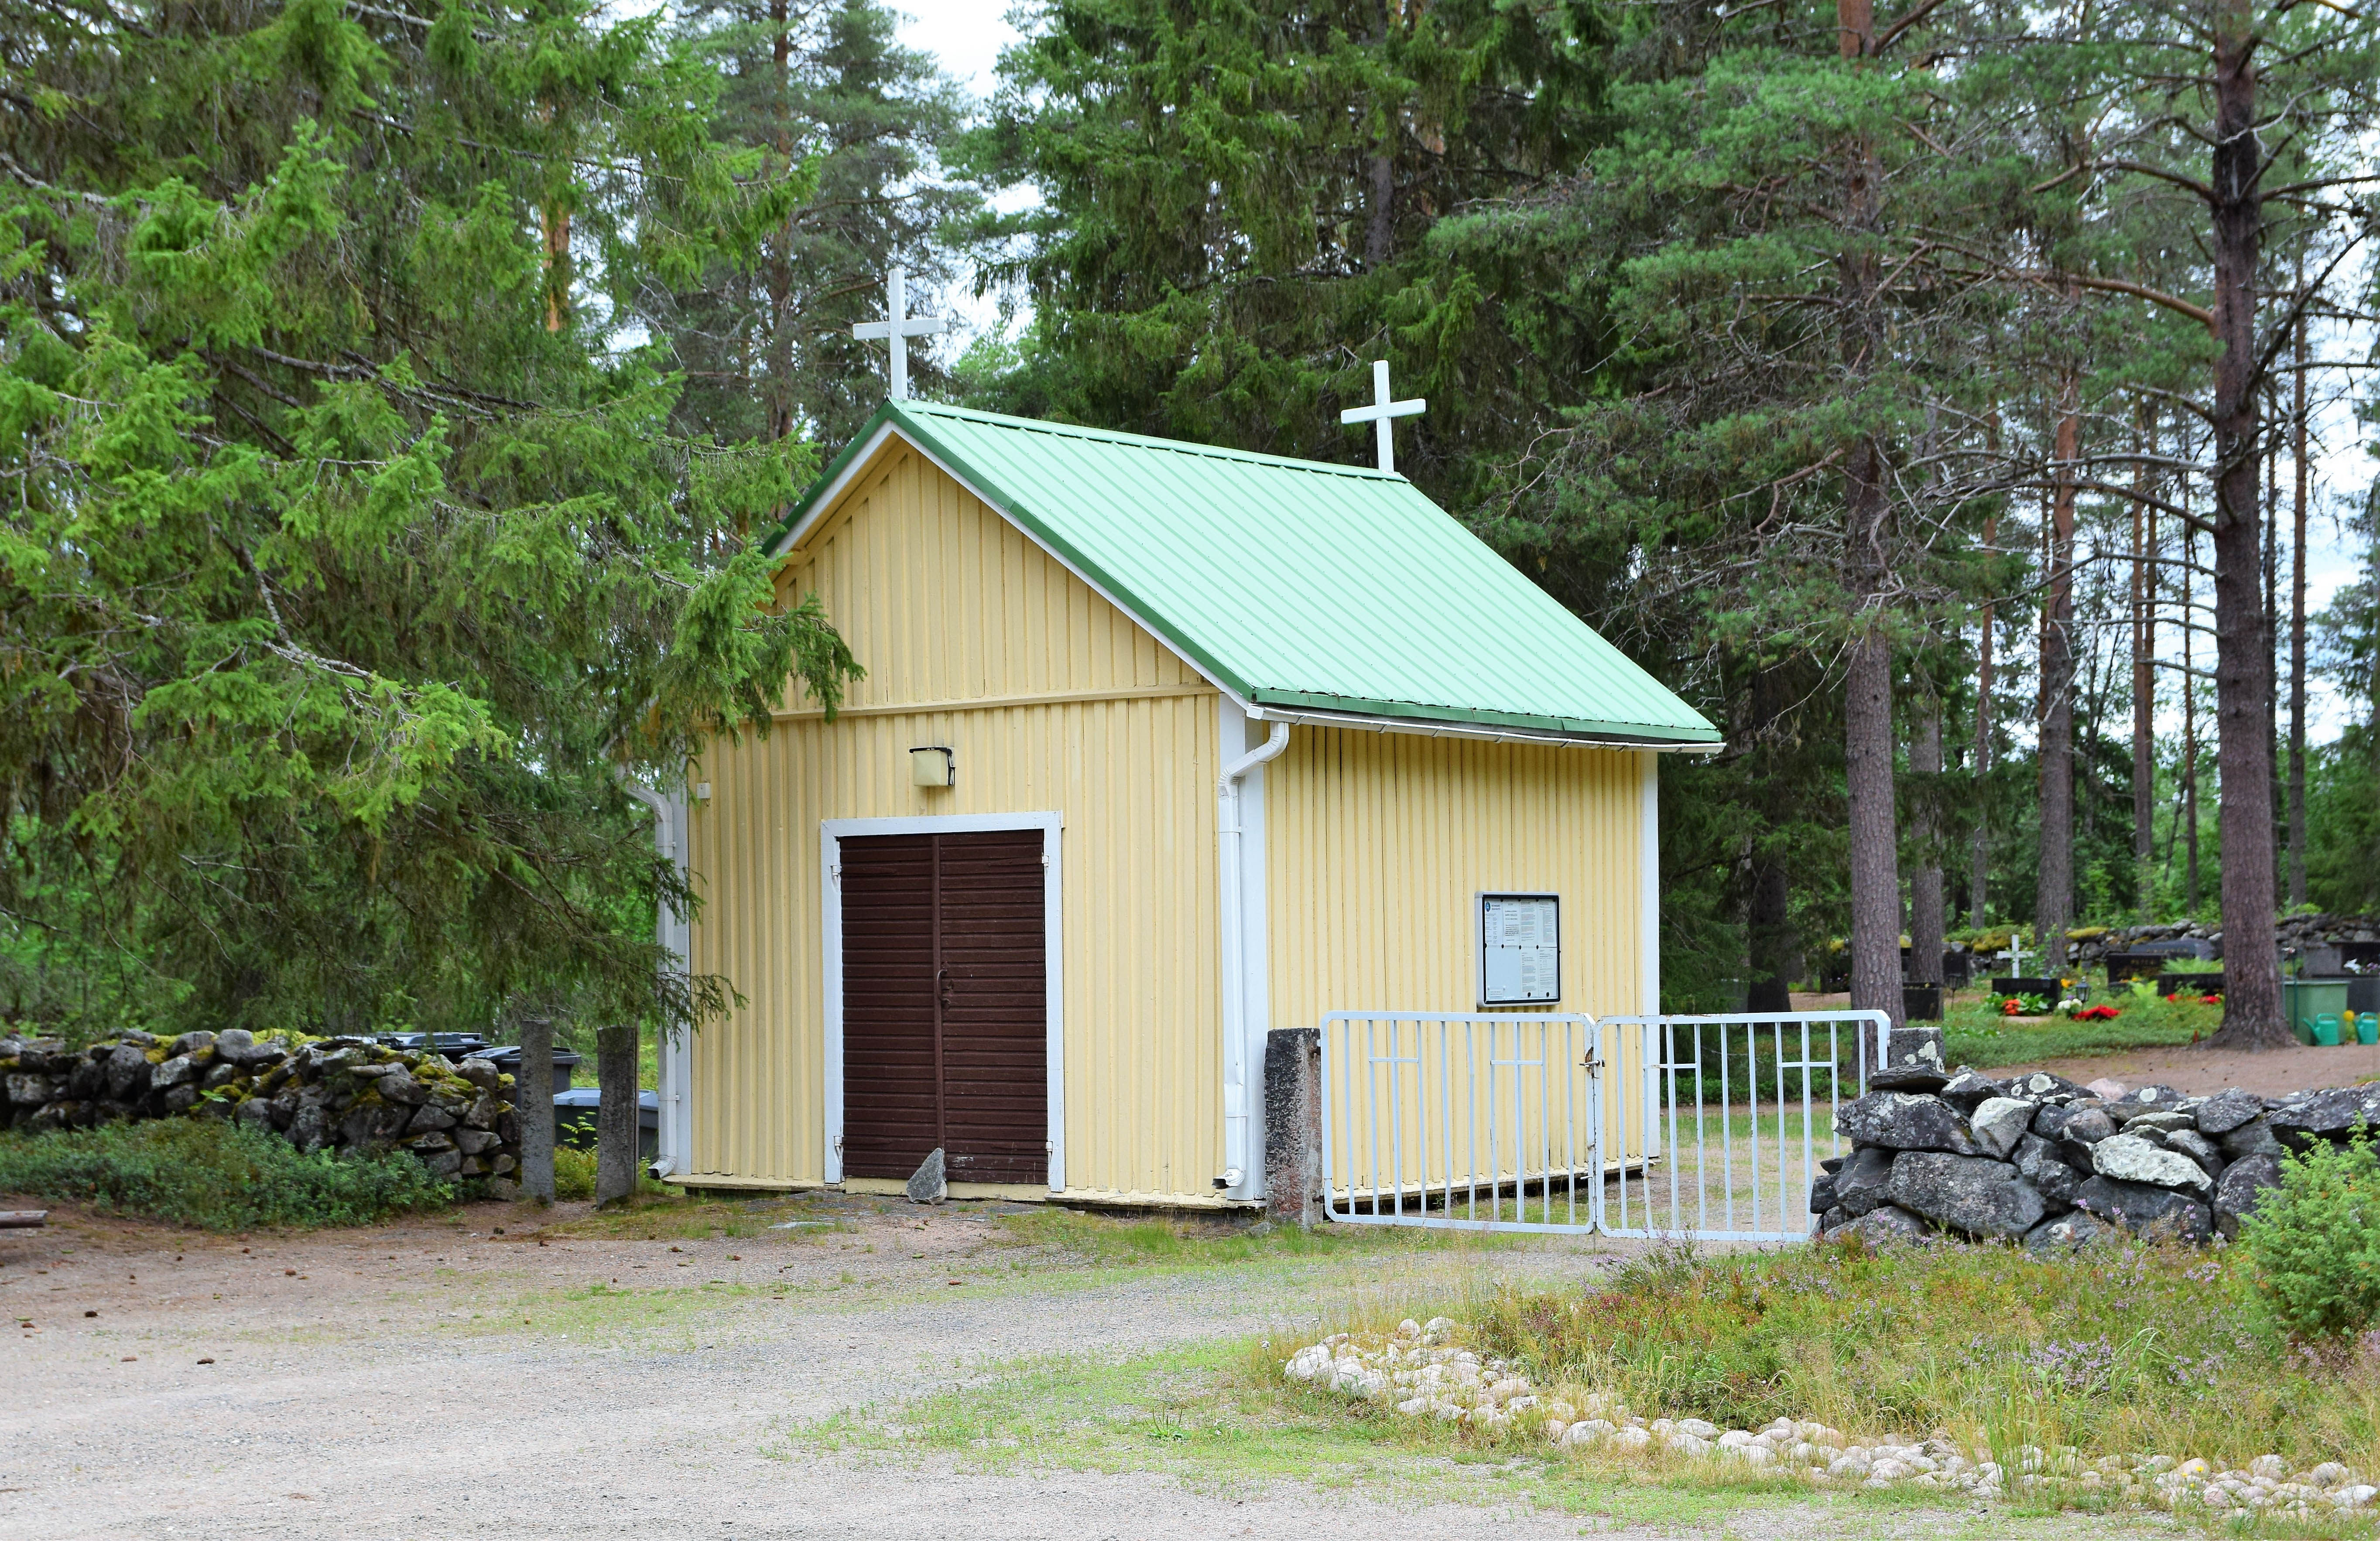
(212, 1174)
(2316, 1240)
(574, 1172)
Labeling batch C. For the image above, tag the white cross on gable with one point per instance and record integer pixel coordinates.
(899, 326)
(1381, 410)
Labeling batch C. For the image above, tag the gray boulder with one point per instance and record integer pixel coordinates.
(1859, 1186)
(2242, 1188)
(30, 1091)
(1886, 1227)
(255, 1113)
(1904, 1121)
(2199, 1148)
(2049, 1119)
(2145, 1099)
(2163, 1123)
(173, 1073)
(930, 1183)
(1966, 1193)
(1999, 1123)
(2069, 1233)
(192, 1043)
(429, 1117)
(1822, 1194)
(127, 1071)
(2040, 1085)
(2324, 1115)
(2129, 1158)
(2038, 1162)
(2251, 1138)
(181, 1099)
(473, 1142)
(397, 1084)
(480, 1073)
(1913, 1060)
(443, 1163)
(429, 1144)
(2147, 1211)
(483, 1113)
(2081, 1132)
(309, 1127)
(2226, 1110)
(1971, 1089)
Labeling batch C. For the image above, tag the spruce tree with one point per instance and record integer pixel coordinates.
(349, 561)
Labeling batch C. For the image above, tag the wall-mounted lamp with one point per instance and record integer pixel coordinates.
(931, 765)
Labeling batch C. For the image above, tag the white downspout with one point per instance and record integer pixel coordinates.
(673, 934)
(1244, 1165)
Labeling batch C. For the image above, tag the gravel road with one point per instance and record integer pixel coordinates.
(370, 1385)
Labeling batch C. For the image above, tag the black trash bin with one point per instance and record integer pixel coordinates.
(574, 1120)
(507, 1060)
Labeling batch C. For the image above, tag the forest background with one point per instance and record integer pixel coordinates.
(1944, 401)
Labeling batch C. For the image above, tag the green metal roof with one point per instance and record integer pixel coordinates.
(1291, 583)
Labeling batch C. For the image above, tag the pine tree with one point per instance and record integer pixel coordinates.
(765, 343)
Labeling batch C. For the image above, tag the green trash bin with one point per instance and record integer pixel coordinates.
(2305, 1001)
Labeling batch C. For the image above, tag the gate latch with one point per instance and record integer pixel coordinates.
(1593, 1063)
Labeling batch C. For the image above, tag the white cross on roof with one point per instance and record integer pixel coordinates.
(1381, 410)
(900, 326)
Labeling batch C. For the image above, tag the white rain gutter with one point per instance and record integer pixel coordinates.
(1243, 1164)
(675, 936)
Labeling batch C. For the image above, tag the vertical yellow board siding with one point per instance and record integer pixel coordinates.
(1082, 713)
(1377, 847)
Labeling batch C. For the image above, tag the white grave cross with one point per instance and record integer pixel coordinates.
(2014, 953)
(1381, 410)
(899, 326)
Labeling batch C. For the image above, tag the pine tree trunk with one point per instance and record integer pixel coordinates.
(1925, 919)
(779, 258)
(2143, 638)
(1775, 951)
(2053, 902)
(1867, 687)
(2252, 976)
(1980, 856)
(617, 1126)
(2297, 622)
(1380, 168)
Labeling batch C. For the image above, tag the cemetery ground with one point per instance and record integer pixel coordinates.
(797, 1367)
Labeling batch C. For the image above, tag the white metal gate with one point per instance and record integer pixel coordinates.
(1701, 1127)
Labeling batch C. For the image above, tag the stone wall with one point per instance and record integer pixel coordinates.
(2045, 1163)
(2088, 947)
(348, 1095)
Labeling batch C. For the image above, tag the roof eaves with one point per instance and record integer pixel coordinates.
(1668, 733)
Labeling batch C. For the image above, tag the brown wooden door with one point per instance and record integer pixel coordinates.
(944, 1006)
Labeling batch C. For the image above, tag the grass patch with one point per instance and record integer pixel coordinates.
(1218, 1417)
(2142, 1350)
(1131, 1240)
(1974, 1032)
(208, 1173)
(657, 1213)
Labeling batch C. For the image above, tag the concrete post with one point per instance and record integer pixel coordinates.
(1293, 1093)
(533, 1104)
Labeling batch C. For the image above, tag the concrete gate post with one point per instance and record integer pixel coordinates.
(1292, 1091)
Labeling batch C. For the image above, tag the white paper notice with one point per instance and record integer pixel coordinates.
(1520, 948)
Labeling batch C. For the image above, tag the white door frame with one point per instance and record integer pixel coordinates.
(831, 834)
